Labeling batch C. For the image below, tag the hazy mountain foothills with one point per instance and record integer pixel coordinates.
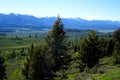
(28, 21)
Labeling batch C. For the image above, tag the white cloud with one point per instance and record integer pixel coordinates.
(115, 18)
(90, 17)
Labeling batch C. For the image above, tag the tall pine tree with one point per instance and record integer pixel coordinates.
(26, 68)
(116, 35)
(116, 53)
(89, 50)
(39, 64)
(26, 65)
(110, 47)
(2, 69)
(56, 40)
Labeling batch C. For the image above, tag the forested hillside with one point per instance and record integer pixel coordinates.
(58, 56)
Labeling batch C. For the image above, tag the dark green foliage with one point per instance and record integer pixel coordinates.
(90, 51)
(75, 45)
(26, 68)
(2, 69)
(116, 53)
(22, 52)
(39, 64)
(12, 55)
(116, 35)
(110, 47)
(103, 46)
(31, 50)
(56, 40)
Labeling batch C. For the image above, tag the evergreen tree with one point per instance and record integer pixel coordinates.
(26, 65)
(104, 47)
(26, 68)
(116, 53)
(12, 55)
(76, 45)
(116, 35)
(110, 47)
(89, 51)
(2, 69)
(39, 64)
(22, 52)
(56, 40)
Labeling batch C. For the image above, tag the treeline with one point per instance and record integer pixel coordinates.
(43, 61)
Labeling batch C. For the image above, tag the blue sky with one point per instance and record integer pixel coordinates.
(87, 9)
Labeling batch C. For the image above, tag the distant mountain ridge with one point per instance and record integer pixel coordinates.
(27, 21)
